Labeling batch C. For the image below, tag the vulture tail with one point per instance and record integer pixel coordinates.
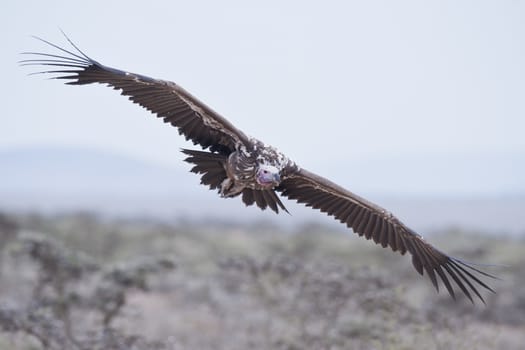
(210, 165)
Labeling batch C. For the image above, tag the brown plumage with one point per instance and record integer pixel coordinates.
(238, 165)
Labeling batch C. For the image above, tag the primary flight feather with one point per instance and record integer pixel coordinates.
(238, 165)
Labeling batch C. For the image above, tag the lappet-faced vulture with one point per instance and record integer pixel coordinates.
(238, 165)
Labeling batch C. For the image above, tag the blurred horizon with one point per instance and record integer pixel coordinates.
(57, 180)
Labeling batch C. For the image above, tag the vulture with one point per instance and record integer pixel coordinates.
(237, 165)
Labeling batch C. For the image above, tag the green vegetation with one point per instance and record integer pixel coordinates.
(79, 281)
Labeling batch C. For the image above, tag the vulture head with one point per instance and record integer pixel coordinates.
(268, 176)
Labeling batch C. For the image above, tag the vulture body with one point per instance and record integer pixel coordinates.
(237, 165)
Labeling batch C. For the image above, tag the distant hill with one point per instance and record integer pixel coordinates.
(441, 175)
(55, 179)
(82, 171)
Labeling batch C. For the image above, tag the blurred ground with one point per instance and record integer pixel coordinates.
(99, 283)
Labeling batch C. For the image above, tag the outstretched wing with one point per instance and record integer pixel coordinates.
(196, 121)
(374, 222)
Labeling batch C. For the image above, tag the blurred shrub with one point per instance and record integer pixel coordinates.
(87, 282)
(74, 300)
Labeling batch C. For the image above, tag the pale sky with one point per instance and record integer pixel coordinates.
(329, 83)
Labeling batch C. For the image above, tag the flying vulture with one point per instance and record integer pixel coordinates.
(237, 165)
